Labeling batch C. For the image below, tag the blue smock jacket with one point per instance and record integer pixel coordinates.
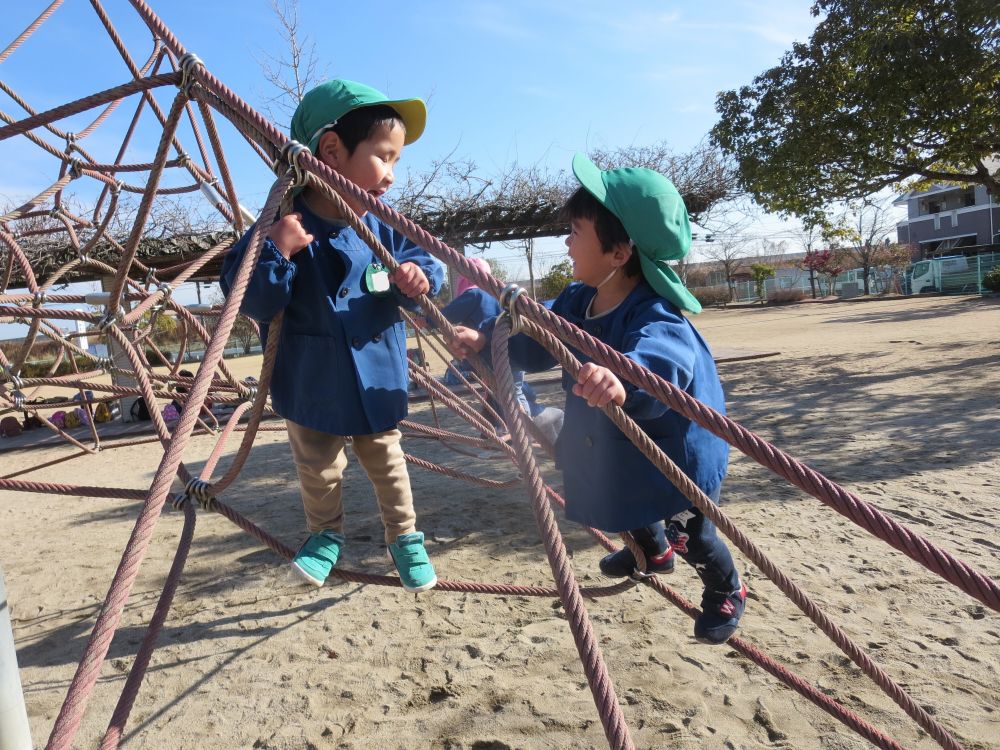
(471, 308)
(609, 484)
(341, 363)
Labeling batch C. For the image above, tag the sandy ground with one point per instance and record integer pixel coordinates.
(897, 400)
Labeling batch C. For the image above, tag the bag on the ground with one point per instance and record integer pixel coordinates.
(10, 427)
(102, 413)
(139, 410)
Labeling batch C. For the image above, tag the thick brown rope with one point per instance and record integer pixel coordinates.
(715, 514)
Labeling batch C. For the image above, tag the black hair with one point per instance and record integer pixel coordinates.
(359, 124)
(610, 232)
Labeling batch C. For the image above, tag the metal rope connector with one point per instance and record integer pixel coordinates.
(186, 65)
(248, 389)
(508, 298)
(38, 299)
(199, 490)
(167, 288)
(109, 319)
(18, 398)
(290, 155)
(15, 379)
(75, 167)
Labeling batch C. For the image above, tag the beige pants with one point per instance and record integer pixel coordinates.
(320, 459)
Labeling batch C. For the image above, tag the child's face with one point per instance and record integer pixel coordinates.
(591, 264)
(371, 165)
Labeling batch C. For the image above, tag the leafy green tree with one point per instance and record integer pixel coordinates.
(244, 331)
(559, 277)
(884, 90)
(761, 272)
(164, 326)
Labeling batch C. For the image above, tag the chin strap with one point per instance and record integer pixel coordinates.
(607, 278)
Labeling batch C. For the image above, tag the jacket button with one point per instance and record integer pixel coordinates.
(356, 343)
(598, 330)
(344, 292)
(376, 338)
(589, 441)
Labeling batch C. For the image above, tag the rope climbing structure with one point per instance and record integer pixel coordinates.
(46, 241)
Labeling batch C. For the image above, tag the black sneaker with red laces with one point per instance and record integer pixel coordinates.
(621, 564)
(720, 615)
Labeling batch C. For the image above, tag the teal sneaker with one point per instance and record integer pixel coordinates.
(316, 558)
(414, 567)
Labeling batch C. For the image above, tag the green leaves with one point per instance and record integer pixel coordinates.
(885, 90)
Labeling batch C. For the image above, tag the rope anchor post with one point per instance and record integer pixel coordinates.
(15, 733)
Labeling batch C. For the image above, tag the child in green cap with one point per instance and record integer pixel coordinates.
(341, 369)
(624, 225)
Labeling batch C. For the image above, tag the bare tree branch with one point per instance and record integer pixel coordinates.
(293, 73)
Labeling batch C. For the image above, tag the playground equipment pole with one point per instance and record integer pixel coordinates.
(15, 734)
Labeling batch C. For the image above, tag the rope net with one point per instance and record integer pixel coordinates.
(48, 241)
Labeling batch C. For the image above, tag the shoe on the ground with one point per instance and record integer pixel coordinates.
(316, 558)
(414, 567)
(720, 615)
(621, 564)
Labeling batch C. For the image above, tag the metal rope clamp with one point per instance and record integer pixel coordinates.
(75, 167)
(186, 64)
(290, 155)
(167, 289)
(15, 380)
(186, 162)
(197, 489)
(110, 319)
(508, 299)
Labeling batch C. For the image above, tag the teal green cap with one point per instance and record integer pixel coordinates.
(331, 100)
(654, 216)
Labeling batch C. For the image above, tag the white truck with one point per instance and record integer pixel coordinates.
(948, 274)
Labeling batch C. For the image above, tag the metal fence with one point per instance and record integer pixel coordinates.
(851, 283)
(971, 280)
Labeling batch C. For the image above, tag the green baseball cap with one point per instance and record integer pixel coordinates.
(653, 213)
(331, 100)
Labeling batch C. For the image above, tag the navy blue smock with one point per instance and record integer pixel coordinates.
(341, 363)
(609, 483)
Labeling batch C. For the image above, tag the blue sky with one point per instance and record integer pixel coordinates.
(515, 81)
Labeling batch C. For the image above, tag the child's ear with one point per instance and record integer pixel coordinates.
(330, 149)
(622, 252)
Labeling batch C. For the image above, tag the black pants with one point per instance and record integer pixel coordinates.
(696, 540)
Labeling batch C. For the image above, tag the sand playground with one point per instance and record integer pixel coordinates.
(897, 400)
